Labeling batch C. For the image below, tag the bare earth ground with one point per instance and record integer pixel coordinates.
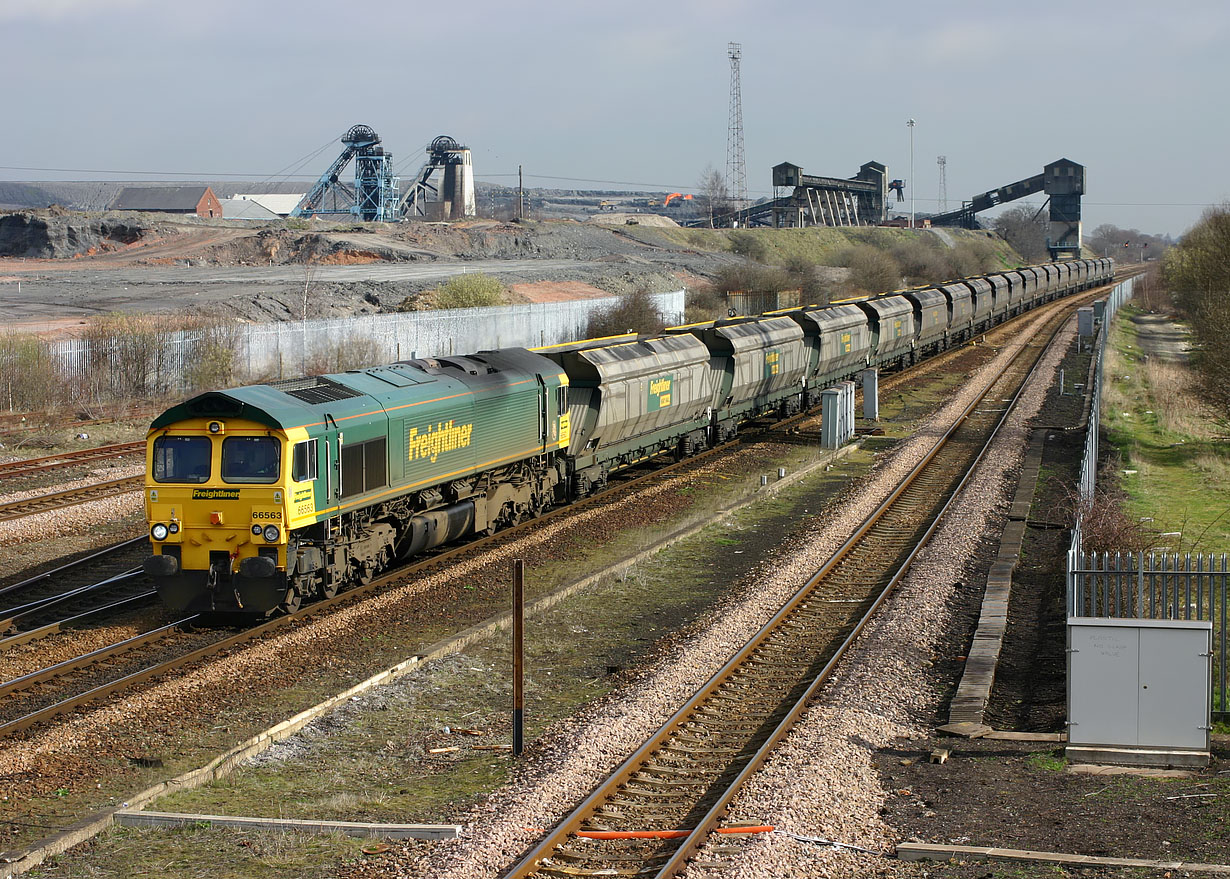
(259, 274)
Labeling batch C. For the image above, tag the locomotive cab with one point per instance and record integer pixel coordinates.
(217, 503)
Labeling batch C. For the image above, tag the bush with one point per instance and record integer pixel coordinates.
(922, 261)
(1105, 524)
(871, 270)
(635, 312)
(349, 352)
(211, 363)
(129, 357)
(704, 302)
(805, 275)
(1197, 272)
(27, 381)
(469, 291)
(970, 258)
(1151, 293)
(752, 278)
(749, 245)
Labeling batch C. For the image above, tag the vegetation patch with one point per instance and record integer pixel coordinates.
(1174, 464)
(472, 290)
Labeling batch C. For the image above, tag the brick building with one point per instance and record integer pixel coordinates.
(198, 200)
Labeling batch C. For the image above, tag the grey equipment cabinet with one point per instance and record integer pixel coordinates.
(1140, 685)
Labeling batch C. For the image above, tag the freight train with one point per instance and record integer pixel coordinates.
(259, 498)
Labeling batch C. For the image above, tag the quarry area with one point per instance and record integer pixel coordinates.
(59, 267)
(56, 266)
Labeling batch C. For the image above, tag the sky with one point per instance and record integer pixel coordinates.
(586, 95)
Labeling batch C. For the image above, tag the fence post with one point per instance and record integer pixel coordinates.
(1140, 585)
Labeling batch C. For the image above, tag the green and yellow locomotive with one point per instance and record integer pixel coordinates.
(261, 497)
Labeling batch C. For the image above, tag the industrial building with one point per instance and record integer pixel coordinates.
(185, 200)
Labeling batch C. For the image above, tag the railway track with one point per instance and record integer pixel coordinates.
(162, 667)
(99, 586)
(661, 803)
(60, 499)
(33, 466)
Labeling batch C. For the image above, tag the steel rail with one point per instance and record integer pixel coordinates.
(710, 820)
(532, 862)
(85, 660)
(30, 466)
(13, 616)
(138, 677)
(134, 602)
(70, 497)
(423, 565)
(46, 575)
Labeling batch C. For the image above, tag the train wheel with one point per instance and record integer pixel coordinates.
(292, 602)
(328, 586)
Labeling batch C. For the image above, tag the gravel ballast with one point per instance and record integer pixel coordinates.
(579, 756)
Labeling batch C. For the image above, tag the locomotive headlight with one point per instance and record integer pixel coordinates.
(272, 533)
(159, 532)
(173, 528)
(256, 529)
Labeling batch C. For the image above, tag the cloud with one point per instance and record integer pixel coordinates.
(963, 44)
(63, 10)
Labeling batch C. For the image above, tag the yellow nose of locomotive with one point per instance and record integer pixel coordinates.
(215, 505)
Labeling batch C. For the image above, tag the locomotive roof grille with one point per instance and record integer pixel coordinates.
(315, 389)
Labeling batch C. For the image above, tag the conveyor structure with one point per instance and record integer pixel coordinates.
(1063, 181)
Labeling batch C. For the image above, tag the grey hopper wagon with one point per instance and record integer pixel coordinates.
(892, 329)
(840, 343)
(632, 400)
(761, 365)
(960, 311)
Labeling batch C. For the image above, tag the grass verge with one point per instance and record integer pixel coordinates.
(1175, 468)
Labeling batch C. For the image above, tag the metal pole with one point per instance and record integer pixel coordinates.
(520, 195)
(518, 633)
(910, 125)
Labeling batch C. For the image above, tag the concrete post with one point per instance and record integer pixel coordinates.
(830, 412)
(871, 393)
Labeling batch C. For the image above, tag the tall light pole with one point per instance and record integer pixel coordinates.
(910, 124)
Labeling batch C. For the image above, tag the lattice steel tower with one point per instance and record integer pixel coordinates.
(736, 167)
(942, 161)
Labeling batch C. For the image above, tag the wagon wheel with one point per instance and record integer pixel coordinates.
(328, 585)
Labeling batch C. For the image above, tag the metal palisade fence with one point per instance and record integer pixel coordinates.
(288, 349)
(1155, 585)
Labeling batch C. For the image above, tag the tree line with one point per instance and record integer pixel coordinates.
(1197, 272)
